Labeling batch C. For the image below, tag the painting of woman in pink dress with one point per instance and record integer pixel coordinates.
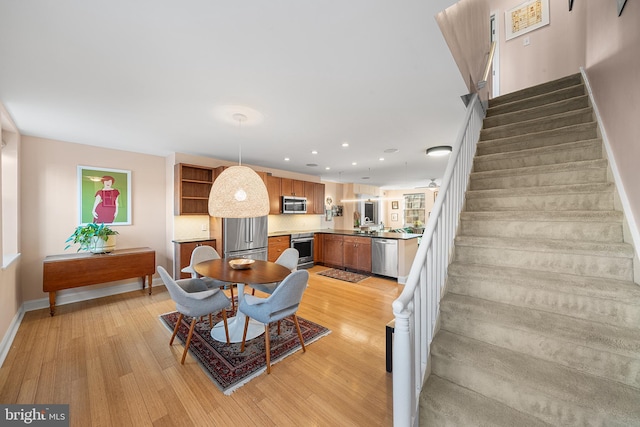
(105, 206)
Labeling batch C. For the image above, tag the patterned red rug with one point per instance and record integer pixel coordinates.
(227, 367)
(347, 276)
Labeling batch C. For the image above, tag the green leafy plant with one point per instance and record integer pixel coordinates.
(84, 235)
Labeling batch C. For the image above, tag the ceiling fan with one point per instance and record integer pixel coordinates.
(433, 186)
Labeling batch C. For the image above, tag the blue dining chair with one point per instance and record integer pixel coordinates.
(288, 258)
(283, 302)
(206, 253)
(194, 299)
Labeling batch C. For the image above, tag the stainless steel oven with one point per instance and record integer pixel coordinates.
(303, 242)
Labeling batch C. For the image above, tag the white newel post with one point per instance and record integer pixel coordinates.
(403, 403)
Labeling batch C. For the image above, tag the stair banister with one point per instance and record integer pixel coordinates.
(416, 309)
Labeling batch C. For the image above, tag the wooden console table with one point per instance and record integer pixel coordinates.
(83, 269)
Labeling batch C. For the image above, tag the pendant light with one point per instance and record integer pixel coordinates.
(238, 192)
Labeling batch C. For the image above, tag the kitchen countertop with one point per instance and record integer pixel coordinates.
(382, 235)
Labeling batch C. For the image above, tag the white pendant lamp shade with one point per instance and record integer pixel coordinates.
(238, 192)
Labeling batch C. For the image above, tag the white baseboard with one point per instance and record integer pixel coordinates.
(5, 345)
(70, 296)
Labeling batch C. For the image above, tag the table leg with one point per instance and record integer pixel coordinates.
(150, 278)
(236, 325)
(52, 303)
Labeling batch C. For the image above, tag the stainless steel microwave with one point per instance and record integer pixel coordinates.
(294, 205)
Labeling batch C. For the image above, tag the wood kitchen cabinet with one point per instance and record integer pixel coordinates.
(275, 200)
(182, 255)
(291, 187)
(333, 250)
(318, 248)
(277, 245)
(318, 198)
(357, 253)
(192, 185)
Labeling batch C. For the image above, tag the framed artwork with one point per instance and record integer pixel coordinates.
(394, 204)
(526, 17)
(394, 217)
(104, 196)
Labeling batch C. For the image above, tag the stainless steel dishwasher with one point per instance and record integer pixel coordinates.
(384, 257)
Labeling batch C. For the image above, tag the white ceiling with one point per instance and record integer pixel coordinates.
(160, 76)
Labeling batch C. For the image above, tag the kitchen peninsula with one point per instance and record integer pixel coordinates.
(353, 250)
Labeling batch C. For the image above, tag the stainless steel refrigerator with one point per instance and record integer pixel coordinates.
(245, 238)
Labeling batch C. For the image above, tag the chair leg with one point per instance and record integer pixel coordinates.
(175, 330)
(295, 320)
(186, 345)
(210, 320)
(267, 345)
(226, 326)
(278, 327)
(244, 335)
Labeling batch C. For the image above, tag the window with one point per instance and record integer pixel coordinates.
(414, 210)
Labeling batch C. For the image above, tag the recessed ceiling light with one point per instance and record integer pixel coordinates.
(354, 163)
(327, 168)
(381, 158)
(286, 159)
(312, 165)
(314, 152)
(441, 150)
(345, 144)
(391, 150)
(365, 177)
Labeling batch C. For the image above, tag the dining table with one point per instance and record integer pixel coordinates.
(259, 272)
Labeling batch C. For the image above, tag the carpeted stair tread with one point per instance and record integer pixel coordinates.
(560, 216)
(530, 112)
(616, 290)
(552, 392)
(537, 100)
(571, 133)
(551, 86)
(604, 249)
(560, 153)
(615, 311)
(538, 227)
(440, 405)
(579, 172)
(555, 121)
(465, 312)
(547, 190)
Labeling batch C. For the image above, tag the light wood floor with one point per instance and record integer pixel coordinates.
(110, 360)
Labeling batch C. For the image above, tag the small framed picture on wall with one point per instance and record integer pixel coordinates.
(394, 217)
(394, 204)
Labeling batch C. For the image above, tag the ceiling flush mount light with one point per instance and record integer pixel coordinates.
(238, 192)
(441, 150)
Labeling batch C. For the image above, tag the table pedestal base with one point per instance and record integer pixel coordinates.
(236, 329)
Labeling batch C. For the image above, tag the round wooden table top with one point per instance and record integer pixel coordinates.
(259, 272)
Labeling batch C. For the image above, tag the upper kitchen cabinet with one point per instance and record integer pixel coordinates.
(318, 198)
(291, 187)
(192, 185)
(273, 188)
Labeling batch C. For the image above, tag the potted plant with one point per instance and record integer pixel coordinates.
(96, 238)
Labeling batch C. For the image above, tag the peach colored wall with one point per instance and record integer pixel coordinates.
(50, 206)
(555, 50)
(613, 68)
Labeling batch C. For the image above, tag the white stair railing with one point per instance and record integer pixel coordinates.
(417, 308)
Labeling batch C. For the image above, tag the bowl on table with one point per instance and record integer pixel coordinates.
(241, 263)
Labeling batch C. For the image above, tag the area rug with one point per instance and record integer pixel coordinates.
(347, 276)
(225, 364)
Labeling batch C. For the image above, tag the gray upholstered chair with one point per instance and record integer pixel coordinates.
(206, 253)
(283, 302)
(194, 299)
(288, 258)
